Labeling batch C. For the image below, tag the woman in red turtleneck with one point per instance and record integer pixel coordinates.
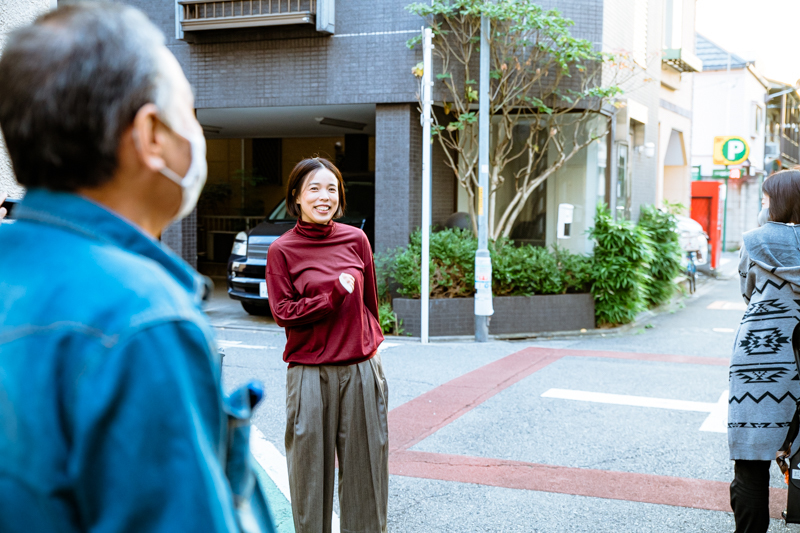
(322, 290)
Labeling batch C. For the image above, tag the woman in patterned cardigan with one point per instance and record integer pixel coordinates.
(763, 374)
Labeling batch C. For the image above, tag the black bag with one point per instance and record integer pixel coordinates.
(792, 471)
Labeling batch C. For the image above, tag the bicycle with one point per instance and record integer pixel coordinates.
(691, 271)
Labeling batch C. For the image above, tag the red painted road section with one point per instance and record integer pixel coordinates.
(428, 413)
(415, 420)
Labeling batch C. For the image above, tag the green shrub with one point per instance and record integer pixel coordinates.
(575, 271)
(452, 266)
(516, 270)
(659, 228)
(524, 270)
(384, 271)
(621, 256)
(388, 319)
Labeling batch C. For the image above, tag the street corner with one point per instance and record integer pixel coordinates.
(632, 427)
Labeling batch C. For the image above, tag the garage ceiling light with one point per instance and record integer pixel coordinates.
(341, 123)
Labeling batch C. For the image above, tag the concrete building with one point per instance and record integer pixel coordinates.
(278, 80)
(730, 100)
(782, 143)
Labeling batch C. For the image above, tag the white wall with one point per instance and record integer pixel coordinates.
(15, 13)
(575, 183)
(674, 182)
(723, 105)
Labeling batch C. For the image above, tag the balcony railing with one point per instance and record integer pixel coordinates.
(790, 150)
(681, 60)
(204, 15)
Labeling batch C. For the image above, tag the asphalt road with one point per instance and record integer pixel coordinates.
(617, 433)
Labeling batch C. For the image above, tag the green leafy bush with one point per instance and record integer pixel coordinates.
(621, 257)
(452, 266)
(523, 271)
(633, 266)
(384, 269)
(516, 270)
(388, 319)
(659, 228)
(575, 271)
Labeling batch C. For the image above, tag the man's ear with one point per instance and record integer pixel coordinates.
(148, 138)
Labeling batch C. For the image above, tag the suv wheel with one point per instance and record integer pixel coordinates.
(255, 309)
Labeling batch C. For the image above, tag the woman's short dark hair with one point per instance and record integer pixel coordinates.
(783, 189)
(299, 176)
(70, 84)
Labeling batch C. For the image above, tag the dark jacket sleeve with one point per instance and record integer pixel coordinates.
(148, 435)
(370, 282)
(289, 307)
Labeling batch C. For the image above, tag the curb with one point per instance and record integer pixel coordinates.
(645, 316)
(641, 320)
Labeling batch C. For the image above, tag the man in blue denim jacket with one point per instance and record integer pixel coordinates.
(111, 412)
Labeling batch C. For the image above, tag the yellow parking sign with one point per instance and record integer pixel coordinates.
(730, 150)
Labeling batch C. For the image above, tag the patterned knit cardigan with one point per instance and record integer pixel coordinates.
(763, 376)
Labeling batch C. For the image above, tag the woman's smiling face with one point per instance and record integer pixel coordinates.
(319, 199)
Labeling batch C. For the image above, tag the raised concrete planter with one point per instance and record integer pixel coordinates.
(512, 314)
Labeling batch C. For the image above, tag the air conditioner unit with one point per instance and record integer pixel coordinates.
(772, 150)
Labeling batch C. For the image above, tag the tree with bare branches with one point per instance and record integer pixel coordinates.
(548, 96)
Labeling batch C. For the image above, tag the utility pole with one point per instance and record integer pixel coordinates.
(427, 86)
(483, 261)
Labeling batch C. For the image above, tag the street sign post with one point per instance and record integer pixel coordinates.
(483, 260)
(427, 100)
(730, 150)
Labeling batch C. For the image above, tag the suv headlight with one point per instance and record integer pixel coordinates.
(240, 244)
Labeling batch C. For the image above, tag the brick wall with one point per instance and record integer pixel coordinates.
(398, 177)
(397, 185)
(181, 237)
(367, 61)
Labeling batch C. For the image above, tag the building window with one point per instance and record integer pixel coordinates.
(757, 119)
(673, 24)
(623, 184)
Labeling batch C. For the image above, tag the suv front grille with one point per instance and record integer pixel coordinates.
(257, 251)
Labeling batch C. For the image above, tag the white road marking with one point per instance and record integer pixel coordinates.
(716, 422)
(723, 330)
(727, 306)
(274, 464)
(386, 345)
(238, 344)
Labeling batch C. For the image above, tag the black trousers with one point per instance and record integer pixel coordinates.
(750, 496)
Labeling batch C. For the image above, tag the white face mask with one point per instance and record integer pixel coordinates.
(195, 179)
(763, 216)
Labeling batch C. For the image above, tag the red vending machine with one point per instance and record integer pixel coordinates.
(707, 210)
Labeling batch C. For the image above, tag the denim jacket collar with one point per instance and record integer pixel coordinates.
(81, 215)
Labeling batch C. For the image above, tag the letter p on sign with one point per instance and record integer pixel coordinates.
(730, 150)
(733, 149)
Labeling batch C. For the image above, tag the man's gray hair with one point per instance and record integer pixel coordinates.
(70, 85)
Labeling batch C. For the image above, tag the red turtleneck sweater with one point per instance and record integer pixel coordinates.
(324, 324)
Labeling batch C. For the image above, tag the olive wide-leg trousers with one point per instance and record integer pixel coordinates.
(342, 410)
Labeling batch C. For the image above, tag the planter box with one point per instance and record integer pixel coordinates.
(512, 314)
